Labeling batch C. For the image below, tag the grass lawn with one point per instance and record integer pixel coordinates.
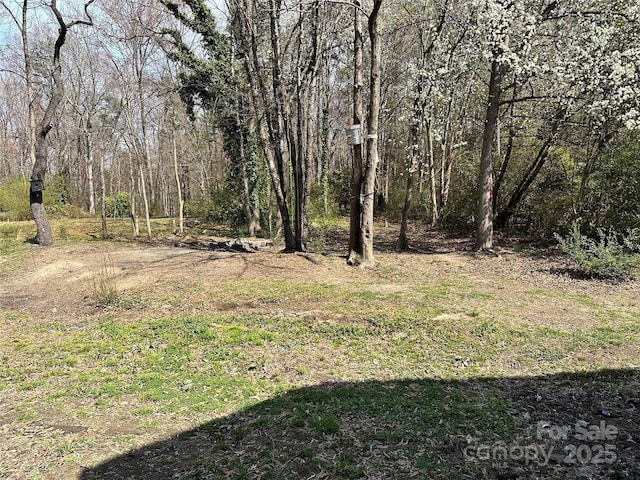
(139, 359)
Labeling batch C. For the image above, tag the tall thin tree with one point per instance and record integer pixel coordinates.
(44, 235)
(361, 238)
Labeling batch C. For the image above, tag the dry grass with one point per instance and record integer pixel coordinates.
(272, 366)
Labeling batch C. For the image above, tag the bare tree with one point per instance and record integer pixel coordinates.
(361, 239)
(355, 239)
(22, 24)
(44, 235)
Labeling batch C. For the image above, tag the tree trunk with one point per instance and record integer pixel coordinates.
(90, 181)
(246, 151)
(174, 151)
(325, 160)
(146, 149)
(432, 175)
(447, 163)
(270, 142)
(247, 159)
(282, 140)
(364, 173)
(355, 243)
(254, 183)
(44, 235)
(251, 213)
(505, 214)
(383, 180)
(503, 170)
(484, 220)
(306, 96)
(132, 198)
(299, 165)
(414, 139)
(602, 140)
(530, 175)
(31, 126)
(369, 183)
(103, 199)
(5, 165)
(272, 232)
(403, 240)
(145, 199)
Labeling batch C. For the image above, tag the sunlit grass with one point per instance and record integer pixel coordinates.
(267, 338)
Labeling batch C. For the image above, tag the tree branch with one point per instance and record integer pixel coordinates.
(83, 22)
(15, 19)
(525, 99)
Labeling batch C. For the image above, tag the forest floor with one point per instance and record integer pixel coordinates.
(166, 359)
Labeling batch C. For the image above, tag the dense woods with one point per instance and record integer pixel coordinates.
(188, 186)
(484, 114)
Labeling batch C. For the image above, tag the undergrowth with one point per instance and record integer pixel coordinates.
(105, 283)
(611, 255)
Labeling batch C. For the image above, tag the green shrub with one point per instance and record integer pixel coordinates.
(322, 224)
(14, 199)
(197, 209)
(119, 205)
(320, 229)
(227, 208)
(612, 192)
(611, 255)
(222, 207)
(57, 196)
(316, 203)
(156, 210)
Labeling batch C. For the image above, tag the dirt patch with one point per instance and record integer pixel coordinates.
(56, 286)
(63, 277)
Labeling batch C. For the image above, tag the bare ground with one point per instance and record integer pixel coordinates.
(57, 285)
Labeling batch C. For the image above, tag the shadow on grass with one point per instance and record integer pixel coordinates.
(561, 426)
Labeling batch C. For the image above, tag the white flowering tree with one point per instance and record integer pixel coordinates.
(551, 66)
(443, 57)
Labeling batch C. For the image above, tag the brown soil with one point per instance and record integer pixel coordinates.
(57, 284)
(59, 280)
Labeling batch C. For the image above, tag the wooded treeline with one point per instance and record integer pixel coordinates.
(491, 113)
